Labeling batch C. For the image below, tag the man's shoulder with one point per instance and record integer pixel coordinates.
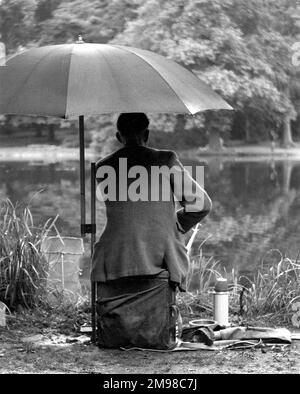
(165, 152)
(162, 155)
(108, 159)
(159, 156)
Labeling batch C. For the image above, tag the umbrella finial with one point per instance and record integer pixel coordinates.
(80, 40)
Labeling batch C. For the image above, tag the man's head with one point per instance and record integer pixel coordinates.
(133, 128)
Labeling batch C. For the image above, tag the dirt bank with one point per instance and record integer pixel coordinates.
(49, 351)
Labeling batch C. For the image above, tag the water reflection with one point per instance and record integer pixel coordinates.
(255, 205)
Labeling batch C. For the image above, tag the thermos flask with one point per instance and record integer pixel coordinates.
(221, 306)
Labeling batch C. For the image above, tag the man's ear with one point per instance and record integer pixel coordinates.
(146, 135)
(119, 138)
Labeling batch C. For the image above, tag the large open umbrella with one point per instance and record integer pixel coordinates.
(88, 79)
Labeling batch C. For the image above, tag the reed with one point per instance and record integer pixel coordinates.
(23, 271)
(201, 277)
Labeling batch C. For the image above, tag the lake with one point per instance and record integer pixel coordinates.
(256, 205)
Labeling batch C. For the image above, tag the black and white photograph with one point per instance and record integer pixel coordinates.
(149, 190)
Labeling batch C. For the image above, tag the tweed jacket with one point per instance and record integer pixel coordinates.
(145, 237)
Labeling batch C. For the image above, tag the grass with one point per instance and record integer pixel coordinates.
(23, 271)
(271, 294)
(65, 318)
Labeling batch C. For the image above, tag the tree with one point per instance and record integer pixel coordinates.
(16, 22)
(278, 50)
(14, 122)
(44, 9)
(96, 20)
(238, 47)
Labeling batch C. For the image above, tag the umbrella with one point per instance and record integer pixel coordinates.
(88, 79)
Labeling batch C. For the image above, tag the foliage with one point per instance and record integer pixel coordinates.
(241, 49)
(16, 22)
(98, 21)
(23, 272)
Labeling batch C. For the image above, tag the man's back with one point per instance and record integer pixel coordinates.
(140, 237)
(144, 233)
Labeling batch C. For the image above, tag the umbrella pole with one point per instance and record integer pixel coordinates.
(88, 228)
(93, 239)
(82, 175)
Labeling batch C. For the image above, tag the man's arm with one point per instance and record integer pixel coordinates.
(194, 200)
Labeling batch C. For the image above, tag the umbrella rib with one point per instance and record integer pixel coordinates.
(153, 68)
(10, 57)
(69, 76)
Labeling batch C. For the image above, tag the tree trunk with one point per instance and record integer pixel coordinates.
(247, 129)
(247, 174)
(51, 135)
(214, 141)
(180, 124)
(38, 131)
(286, 178)
(215, 167)
(2, 54)
(287, 140)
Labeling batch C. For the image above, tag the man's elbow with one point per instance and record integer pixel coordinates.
(207, 204)
(200, 208)
(205, 211)
(206, 207)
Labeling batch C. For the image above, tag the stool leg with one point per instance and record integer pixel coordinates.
(93, 238)
(94, 330)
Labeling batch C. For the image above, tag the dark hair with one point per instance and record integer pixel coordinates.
(132, 124)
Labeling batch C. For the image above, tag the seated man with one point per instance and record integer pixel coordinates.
(144, 234)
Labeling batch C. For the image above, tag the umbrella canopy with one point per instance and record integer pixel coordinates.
(89, 79)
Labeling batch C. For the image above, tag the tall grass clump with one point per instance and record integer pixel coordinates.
(274, 290)
(23, 271)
